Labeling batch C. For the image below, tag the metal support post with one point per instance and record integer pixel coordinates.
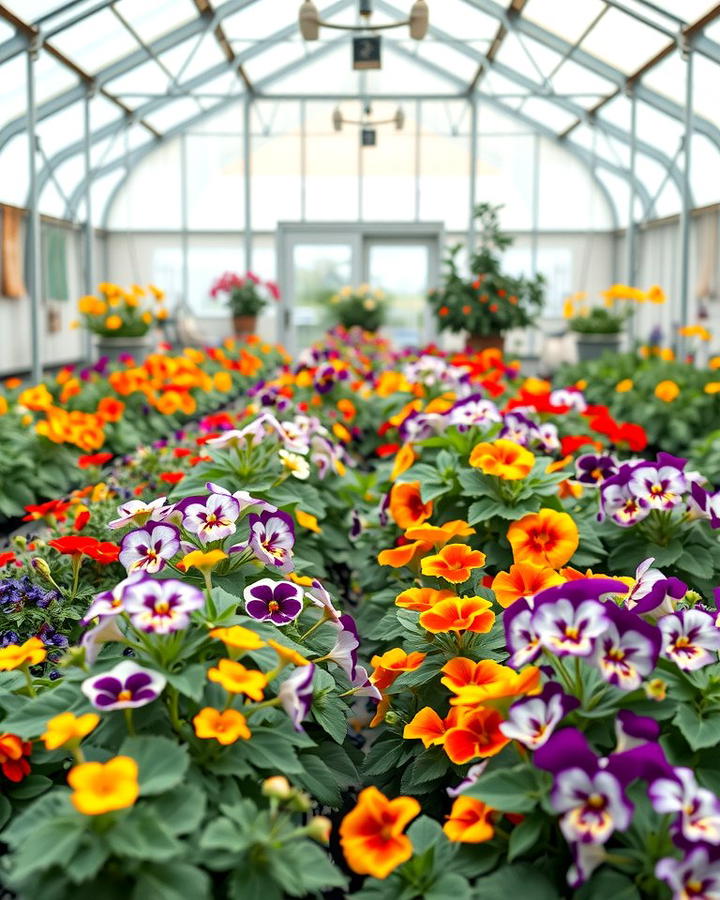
(303, 161)
(33, 232)
(685, 211)
(630, 234)
(247, 182)
(184, 305)
(535, 227)
(473, 173)
(89, 232)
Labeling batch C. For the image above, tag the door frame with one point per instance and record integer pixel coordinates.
(359, 235)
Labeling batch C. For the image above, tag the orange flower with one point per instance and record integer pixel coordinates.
(439, 534)
(453, 563)
(546, 538)
(477, 733)
(469, 821)
(667, 391)
(478, 682)
(391, 664)
(226, 727)
(405, 457)
(523, 579)
(559, 464)
(421, 599)
(371, 835)
(428, 727)
(236, 679)
(13, 656)
(502, 458)
(569, 488)
(459, 614)
(406, 505)
(397, 557)
(110, 409)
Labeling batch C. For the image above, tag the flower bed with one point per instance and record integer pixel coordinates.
(395, 625)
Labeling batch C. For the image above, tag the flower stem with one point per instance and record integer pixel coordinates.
(28, 680)
(127, 712)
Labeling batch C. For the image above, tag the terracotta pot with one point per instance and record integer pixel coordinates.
(479, 342)
(244, 325)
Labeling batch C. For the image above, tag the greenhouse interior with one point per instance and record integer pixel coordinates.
(359, 449)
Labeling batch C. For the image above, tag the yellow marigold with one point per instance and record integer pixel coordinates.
(112, 323)
(667, 354)
(103, 787)
(656, 294)
(3, 406)
(667, 391)
(714, 363)
(712, 387)
(222, 381)
(622, 387)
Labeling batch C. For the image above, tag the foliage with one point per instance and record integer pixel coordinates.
(122, 313)
(246, 295)
(359, 307)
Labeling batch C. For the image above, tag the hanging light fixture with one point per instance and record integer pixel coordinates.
(366, 124)
(310, 21)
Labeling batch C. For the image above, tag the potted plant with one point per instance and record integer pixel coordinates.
(598, 330)
(121, 319)
(361, 306)
(489, 302)
(247, 296)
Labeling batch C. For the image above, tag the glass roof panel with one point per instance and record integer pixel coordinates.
(56, 132)
(173, 113)
(276, 57)
(193, 57)
(134, 86)
(706, 77)
(51, 77)
(151, 20)
(569, 20)
(623, 41)
(528, 57)
(6, 32)
(14, 158)
(705, 159)
(572, 78)
(442, 55)
(96, 41)
(258, 21)
(668, 77)
(548, 113)
(494, 83)
(460, 19)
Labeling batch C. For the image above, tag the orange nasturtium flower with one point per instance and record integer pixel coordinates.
(14, 656)
(393, 663)
(459, 614)
(622, 387)
(236, 679)
(67, 728)
(469, 821)
(546, 538)
(406, 505)
(523, 579)
(420, 599)
(238, 639)
(439, 534)
(502, 458)
(226, 727)
(102, 787)
(371, 835)
(454, 563)
(428, 727)
(404, 555)
(479, 682)
(477, 734)
(405, 457)
(667, 391)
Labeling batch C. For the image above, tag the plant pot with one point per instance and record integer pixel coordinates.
(479, 342)
(244, 325)
(592, 346)
(115, 347)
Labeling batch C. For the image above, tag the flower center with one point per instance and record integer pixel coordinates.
(596, 801)
(162, 607)
(683, 641)
(273, 606)
(125, 695)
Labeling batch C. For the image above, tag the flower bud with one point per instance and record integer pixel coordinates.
(20, 541)
(42, 568)
(392, 718)
(278, 787)
(656, 689)
(692, 597)
(319, 829)
(299, 802)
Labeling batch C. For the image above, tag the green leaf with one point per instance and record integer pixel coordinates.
(317, 778)
(521, 880)
(424, 833)
(190, 682)
(524, 836)
(28, 718)
(698, 730)
(162, 763)
(5, 810)
(608, 883)
(178, 881)
(52, 843)
(142, 835)
(249, 883)
(513, 789)
(30, 787)
(449, 884)
(182, 809)
(332, 716)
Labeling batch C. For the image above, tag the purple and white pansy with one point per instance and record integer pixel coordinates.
(532, 720)
(696, 877)
(149, 549)
(272, 538)
(296, 694)
(279, 602)
(137, 512)
(653, 594)
(697, 809)
(473, 411)
(112, 602)
(691, 639)
(627, 649)
(344, 651)
(126, 686)
(161, 607)
(212, 519)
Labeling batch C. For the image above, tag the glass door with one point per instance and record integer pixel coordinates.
(316, 261)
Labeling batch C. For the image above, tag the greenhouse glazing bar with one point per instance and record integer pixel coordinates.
(33, 235)
(89, 232)
(686, 200)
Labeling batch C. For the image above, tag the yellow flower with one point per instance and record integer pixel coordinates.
(568, 309)
(622, 387)
(3, 406)
(102, 787)
(287, 655)
(238, 638)
(222, 381)
(147, 318)
(226, 727)
(667, 354)
(112, 323)
(236, 679)
(161, 313)
(88, 304)
(712, 387)
(714, 363)
(306, 520)
(14, 656)
(656, 294)
(667, 391)
(68, 728)
(205, 561)
(503, 458)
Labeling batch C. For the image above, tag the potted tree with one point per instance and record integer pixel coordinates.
(247, 296)
(359, 307)
(121, 319)
(489, 302)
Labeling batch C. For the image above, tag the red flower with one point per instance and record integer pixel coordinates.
(574, 442)
(633, 435)
(387, 450)
(203, 439)
(52, 511)
(180, 452)
(103, 552)
(172, 477)
(93, 459)
(194, 460)
(6, 558)
(81, 520)
(13, 753)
